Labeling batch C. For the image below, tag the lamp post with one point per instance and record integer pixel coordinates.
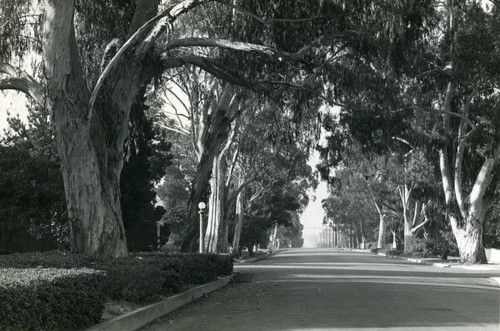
(202, 207)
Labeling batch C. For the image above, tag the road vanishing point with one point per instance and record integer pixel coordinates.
(330, 289)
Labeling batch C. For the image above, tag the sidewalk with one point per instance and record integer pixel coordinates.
(454, 262)
(451, 262)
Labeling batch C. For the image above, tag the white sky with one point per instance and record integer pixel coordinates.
(13, 102)
(312, 217)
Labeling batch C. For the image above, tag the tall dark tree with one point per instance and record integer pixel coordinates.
(145, 162)
(32, 204)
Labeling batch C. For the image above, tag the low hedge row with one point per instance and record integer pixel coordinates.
(48, 298)
(65, 291)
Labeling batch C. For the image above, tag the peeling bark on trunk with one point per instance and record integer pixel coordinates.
(471, 246)
(468, 231)
(212, 139)
(215, 205)
(90, 148)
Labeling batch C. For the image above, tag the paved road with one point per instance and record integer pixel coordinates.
(326, 290)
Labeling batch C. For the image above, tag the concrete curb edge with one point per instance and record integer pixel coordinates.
(493, 281)
(138, 318)
(262, 257)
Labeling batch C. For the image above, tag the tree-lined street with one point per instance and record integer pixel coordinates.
(307, 289)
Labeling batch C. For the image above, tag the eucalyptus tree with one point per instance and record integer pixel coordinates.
(214, 106)
(272, 147)
(442, 96)
(91, 116)
(467, 101)
(454, 98)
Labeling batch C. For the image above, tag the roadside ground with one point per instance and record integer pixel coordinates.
(331, 289)
(451, 262)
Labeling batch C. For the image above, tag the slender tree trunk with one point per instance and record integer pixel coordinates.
(381, 231)
(239, 222)
(224, 237)
(381, 226)
(335, 237)
(407, 221)
(212, 139)
(274, 236)
(215, 205)
(250, 250)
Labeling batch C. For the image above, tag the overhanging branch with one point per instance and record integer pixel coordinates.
(18, 80)
(217, 69)
(445, 112)
(251, 47)
(229, 44)
(142, 40)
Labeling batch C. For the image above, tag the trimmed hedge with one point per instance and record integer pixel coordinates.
(394, 252)
(47, 298)
(56, 290)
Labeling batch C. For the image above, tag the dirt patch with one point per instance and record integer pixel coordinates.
(242, 277)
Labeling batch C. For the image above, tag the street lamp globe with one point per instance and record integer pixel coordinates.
(202, 205)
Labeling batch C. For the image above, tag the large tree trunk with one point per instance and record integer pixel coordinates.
(466, 219)
(216, 236)
(467, 225)
(470, 242)
(215, 205)
(90, 144)
(215, 135)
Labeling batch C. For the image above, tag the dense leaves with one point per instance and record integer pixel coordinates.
(67, 291)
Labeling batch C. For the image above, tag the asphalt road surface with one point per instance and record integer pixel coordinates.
(301, 289)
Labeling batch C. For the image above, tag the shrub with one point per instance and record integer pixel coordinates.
(394, 252)
(374, 250)
(191, 268)
(433, 248)
(51, 259)
(52, 291)
(131, 279)
(47, 298)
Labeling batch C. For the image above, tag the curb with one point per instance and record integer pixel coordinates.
(138, 318)
(491, 281)
(262, 257)
(418, 261)
(495, 281)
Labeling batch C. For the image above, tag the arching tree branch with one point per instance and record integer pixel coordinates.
(18, 80)
(217, 69)
(250, 47)
(142, 40)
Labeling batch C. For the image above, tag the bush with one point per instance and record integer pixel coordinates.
(374, 250)
(131, 279)
(53, 290)
(394, 252)
(47, 298)
(433, 248)
(190, 268)
(51, 259)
